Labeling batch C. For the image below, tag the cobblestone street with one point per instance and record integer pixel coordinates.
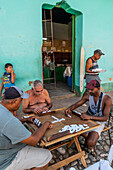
(102, 146)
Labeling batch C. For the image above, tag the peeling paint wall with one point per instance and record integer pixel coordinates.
(21, 36)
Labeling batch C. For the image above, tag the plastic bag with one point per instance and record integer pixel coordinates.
(104, 165)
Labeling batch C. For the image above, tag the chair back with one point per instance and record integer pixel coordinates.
(110, 116)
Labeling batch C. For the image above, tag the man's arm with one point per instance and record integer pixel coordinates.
(49, 105)
(26, 108)
(79, 103)
(12, 76)
(88, 66)
(105, 112)
(29, 119)
(48, 100)
(37, 135)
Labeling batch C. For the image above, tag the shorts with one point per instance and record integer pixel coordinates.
(91, 77)
(30, 157)
(98, 129)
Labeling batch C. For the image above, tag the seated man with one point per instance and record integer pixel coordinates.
(15, 140)
(38, 100)
(99, 110)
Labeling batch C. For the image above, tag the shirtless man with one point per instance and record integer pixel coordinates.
(38, 100)
(96, 112)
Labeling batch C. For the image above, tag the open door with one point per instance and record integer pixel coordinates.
(56, 43)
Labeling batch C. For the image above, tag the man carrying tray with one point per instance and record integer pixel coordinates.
(92, 69)
(92, 66)
(99, 110)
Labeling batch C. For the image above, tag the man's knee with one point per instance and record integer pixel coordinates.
(91, 142)
(43, 154)
(48, 154)
(92, 139)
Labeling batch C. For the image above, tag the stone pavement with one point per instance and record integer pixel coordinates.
(102, 146)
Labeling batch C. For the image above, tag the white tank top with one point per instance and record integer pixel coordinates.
(48, 62)
(93, 107)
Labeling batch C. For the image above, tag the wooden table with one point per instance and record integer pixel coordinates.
(52, 136)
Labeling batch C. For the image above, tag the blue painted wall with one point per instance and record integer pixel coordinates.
(21, 39)
(21, 36)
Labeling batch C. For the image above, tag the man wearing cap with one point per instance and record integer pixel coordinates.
(38, 101)
(91, 64)
(15, 140)
(99, 110)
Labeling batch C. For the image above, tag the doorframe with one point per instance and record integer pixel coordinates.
(76, 41)
(73, 53)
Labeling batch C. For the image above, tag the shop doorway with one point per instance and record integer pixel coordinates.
(57, 49)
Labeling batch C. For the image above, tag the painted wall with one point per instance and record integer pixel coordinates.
(97, 33)
(21, 36)
(21, 39)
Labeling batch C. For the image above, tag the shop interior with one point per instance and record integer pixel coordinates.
(57, 48)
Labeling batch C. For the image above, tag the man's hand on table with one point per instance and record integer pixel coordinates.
(67, 111)
(29, 119)
(49, 124)
(85, 117)
(45, 109)
(37, 110)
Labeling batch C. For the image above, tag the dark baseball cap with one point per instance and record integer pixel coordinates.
(92, 84)
(99, 52)
(14, 92)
